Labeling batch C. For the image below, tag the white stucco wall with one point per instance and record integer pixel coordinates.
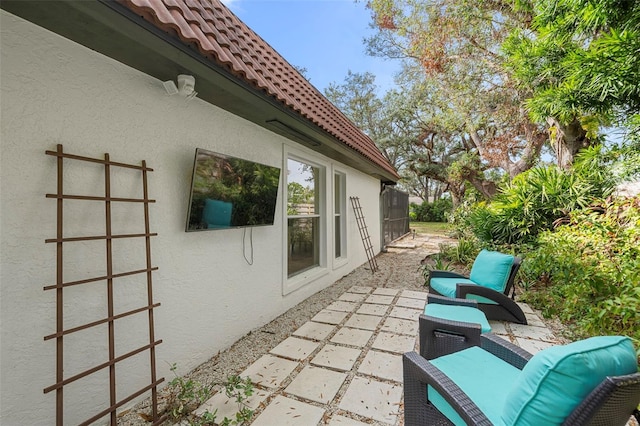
(55, 91)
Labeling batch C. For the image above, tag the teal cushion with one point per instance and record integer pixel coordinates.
(447, 286)
(458, 313)
(482, 376)
(491, 269)
(557, 379)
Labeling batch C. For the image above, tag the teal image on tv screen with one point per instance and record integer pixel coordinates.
(229, 192)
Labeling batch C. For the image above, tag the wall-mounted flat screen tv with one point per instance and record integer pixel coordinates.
(229, 192)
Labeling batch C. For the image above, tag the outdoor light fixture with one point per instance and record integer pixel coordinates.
(186, 86)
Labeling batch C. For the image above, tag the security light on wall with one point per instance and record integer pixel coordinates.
(186, 86)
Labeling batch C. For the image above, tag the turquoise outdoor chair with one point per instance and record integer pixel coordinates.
(491, 280)
(589, 382)
(450, 325)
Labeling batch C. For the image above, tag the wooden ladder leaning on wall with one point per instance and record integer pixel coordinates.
(364, 233)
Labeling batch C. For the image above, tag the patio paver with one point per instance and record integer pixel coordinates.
(295, 348)
(382, 365)
(412, 294)
(269, 371)
(407, 302)
(386, 291)
(314, 330)
(283, 411)
(405, 313)
(329, 317)
(349, 357)
(373, 399)
(392, 342)
(342, 306)
(345, 421)
(365, 322)
(400, 326)
(379, 299)
(352, 337)
(316, 384)
(371, 309)
(337, 357)
(227, 407)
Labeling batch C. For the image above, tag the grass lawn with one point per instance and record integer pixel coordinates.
(437, 228)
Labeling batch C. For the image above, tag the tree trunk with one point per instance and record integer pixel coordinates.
(567, 140)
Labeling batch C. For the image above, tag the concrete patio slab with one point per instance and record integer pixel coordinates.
(370, 309)
(533, 346)
(283, 411)
(525, 308)
(345, 421)
(400, 326)
(352, 297)
(314, 330)
(379, 299)
(386, 291)
(295, 348)
(405, 313)
(531, 332)
(360, 289)
(316, 384)
(534, 320)
(228, 407)
(329, 317)
(373, 399)
(365, 322)
(382, 365)
(342, 306)
(498, 327)
(349, 359)
(411, 294)
(392, 342)
(338, 357)
(352, 337)
(269, 371)
(414, 303)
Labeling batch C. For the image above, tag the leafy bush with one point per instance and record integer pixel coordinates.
(587, 271)
(534, 200)
(431, 212)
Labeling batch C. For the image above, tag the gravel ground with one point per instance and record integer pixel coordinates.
(397, 268)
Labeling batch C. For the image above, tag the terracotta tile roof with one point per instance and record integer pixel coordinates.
(223, 38)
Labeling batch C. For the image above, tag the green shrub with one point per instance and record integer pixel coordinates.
(431, 212)
(534, 200)
(587, 271)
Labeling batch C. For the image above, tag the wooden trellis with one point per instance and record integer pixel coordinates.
(99, 281)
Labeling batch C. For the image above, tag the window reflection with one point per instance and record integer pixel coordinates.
(303, 218)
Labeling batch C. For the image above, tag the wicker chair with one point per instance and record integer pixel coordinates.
(611, 403)
(456, 330)
(497, 305)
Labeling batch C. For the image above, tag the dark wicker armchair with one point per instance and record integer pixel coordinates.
(497, 305)
(611, 403)
(440, 335)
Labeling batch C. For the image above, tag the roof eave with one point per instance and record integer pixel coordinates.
(115, 31)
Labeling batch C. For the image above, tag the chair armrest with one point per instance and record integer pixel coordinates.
(443, 300)
(438, 336)
(505, 350)
(418, 373)
(445, 274)
(463, 290)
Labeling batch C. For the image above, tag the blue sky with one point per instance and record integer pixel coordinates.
(323, 36)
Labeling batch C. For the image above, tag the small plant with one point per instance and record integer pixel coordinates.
(434, 262)
(239, 389)
(186, 395)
